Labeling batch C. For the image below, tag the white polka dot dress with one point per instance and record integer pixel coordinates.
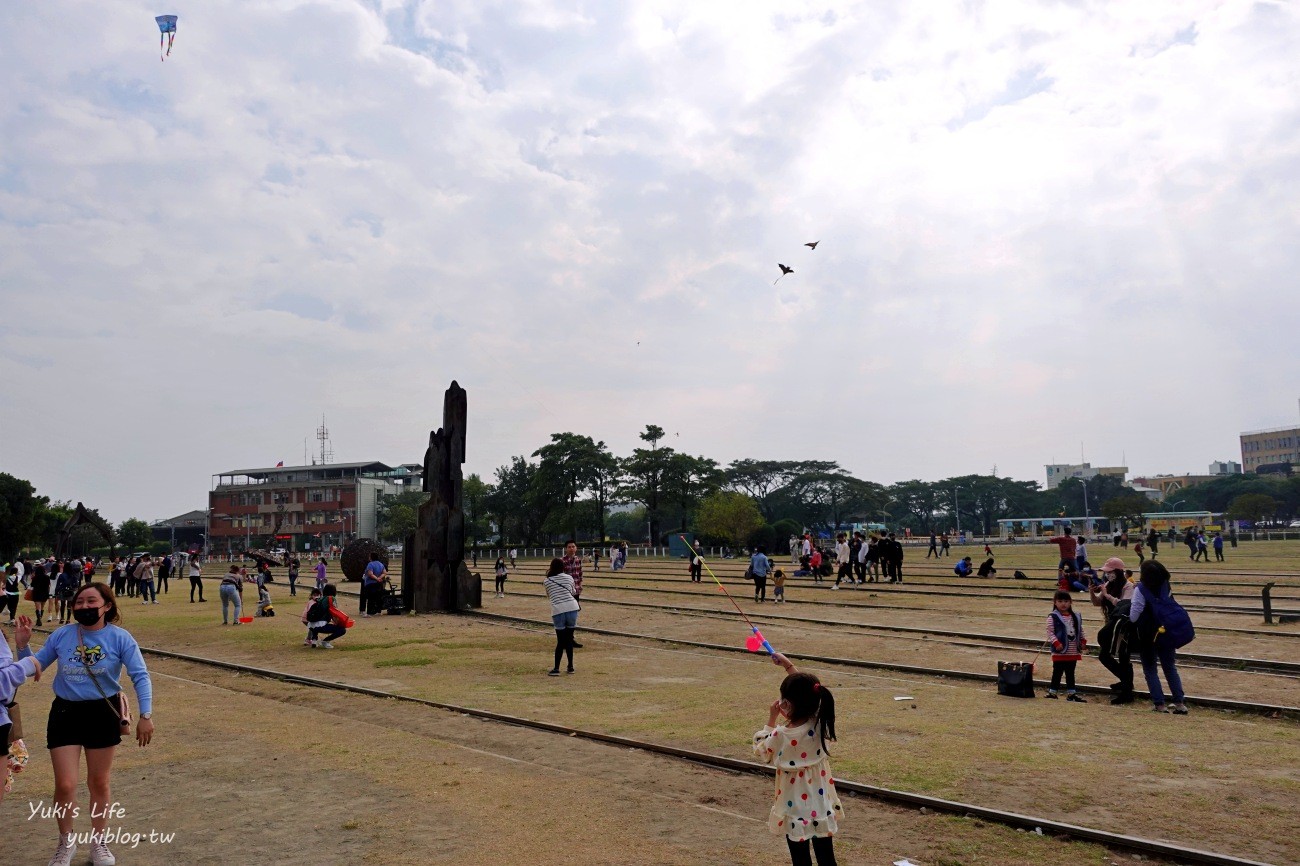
(806, 803)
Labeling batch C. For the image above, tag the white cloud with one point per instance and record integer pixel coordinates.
(1033, 216)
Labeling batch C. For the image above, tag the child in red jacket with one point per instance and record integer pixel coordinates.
(1065, 633)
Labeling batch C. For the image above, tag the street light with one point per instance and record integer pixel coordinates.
(957, 510)
(1174, 507)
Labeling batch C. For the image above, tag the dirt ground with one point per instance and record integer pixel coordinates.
(248, 770)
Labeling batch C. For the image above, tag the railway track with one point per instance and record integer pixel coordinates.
(1272, 710)
(1115, 841)
(1235, 663)
(846, 605)
(975, 591)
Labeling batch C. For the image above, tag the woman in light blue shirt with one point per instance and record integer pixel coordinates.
(90, 711)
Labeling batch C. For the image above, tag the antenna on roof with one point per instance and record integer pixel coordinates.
(323, 434)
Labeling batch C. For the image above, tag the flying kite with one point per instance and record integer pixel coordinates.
(166, 35)
(813, 245)
(784, 271)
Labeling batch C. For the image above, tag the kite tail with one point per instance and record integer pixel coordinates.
(171, 37)
(161, 39)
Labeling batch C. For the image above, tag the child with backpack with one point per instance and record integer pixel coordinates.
(807, 806)
(1065, 633)
(1162, 626)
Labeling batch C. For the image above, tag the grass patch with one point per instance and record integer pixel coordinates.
(412, 662)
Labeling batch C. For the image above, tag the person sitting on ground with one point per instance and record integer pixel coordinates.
(1088, 574)
(1067, 580)
(986, 568)
(964, 567)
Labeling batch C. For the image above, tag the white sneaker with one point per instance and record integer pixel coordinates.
(64, 853)
(101, 856)
(834, 587)
(326, 645)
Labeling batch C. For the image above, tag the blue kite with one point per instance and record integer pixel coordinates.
(166, 34)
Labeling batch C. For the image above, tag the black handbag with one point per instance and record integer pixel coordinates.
(1016, 679)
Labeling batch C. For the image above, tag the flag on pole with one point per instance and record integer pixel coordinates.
(278, 465)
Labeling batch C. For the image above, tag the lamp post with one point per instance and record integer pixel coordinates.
(957, 510)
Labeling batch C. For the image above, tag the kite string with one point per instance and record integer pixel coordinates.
(748, 622)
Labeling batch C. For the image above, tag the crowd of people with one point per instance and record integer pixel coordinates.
(90, 650)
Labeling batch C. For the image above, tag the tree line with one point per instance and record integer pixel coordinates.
(32, 522)
(574, 487)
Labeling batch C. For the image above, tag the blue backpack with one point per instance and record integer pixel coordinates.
(1170, 616)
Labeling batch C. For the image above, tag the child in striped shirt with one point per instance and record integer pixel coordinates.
(1065, 633)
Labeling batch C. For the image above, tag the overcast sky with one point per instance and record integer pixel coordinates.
(1041, 225)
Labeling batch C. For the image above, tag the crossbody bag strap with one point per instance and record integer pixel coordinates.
(122, 713)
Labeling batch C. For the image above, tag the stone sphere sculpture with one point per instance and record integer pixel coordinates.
(360, 553)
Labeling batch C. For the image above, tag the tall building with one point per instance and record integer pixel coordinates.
(306, 508)
(1225, 467)
(1280, 445)
(1058, 472)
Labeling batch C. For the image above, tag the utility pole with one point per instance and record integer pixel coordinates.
(957, 509)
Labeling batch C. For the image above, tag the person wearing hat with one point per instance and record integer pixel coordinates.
(1114, 595)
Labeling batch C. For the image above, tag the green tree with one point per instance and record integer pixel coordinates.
(134, 534)
(761, 479)
(1128, 508)
(728, 515)
(919, 503)
(688, 480)
(642, 476)
(20, 515)
(397, 515)
(474, 498)
(627, 525)
(1253, 507)
(575, 480)
(514, 504)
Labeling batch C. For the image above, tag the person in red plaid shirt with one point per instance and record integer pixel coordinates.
(573, 568)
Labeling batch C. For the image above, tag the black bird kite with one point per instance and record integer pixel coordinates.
(784, 271)
(813, 245)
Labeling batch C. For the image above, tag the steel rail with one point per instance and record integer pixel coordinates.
(1116, 841)
(895, 589)
(900, 667)
(891, 607)
(1236, 663)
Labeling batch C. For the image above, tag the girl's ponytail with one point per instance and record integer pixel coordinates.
(826, 714)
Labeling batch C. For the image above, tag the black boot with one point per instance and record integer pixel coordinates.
(568, 648)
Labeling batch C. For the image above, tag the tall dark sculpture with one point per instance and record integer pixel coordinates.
(434, 576)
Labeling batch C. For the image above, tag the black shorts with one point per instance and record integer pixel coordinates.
(90, 724)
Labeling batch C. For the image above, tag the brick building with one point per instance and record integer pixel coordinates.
(314, 506)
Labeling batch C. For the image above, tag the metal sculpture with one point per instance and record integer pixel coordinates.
(434, 575)
(360, 553)
(80, 516)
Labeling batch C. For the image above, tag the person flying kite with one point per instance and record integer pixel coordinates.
(166, 35)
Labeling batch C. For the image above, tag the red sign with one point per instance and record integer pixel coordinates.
(283, 537)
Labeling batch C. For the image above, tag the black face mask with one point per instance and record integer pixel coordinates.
(87, 616)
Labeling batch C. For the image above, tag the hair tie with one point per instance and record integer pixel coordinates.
(817, 687)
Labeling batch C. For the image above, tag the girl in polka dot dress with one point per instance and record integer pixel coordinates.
(807, 809)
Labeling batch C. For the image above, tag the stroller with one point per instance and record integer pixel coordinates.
(391, 603)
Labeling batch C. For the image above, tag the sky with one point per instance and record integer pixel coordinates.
(1047, 229)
